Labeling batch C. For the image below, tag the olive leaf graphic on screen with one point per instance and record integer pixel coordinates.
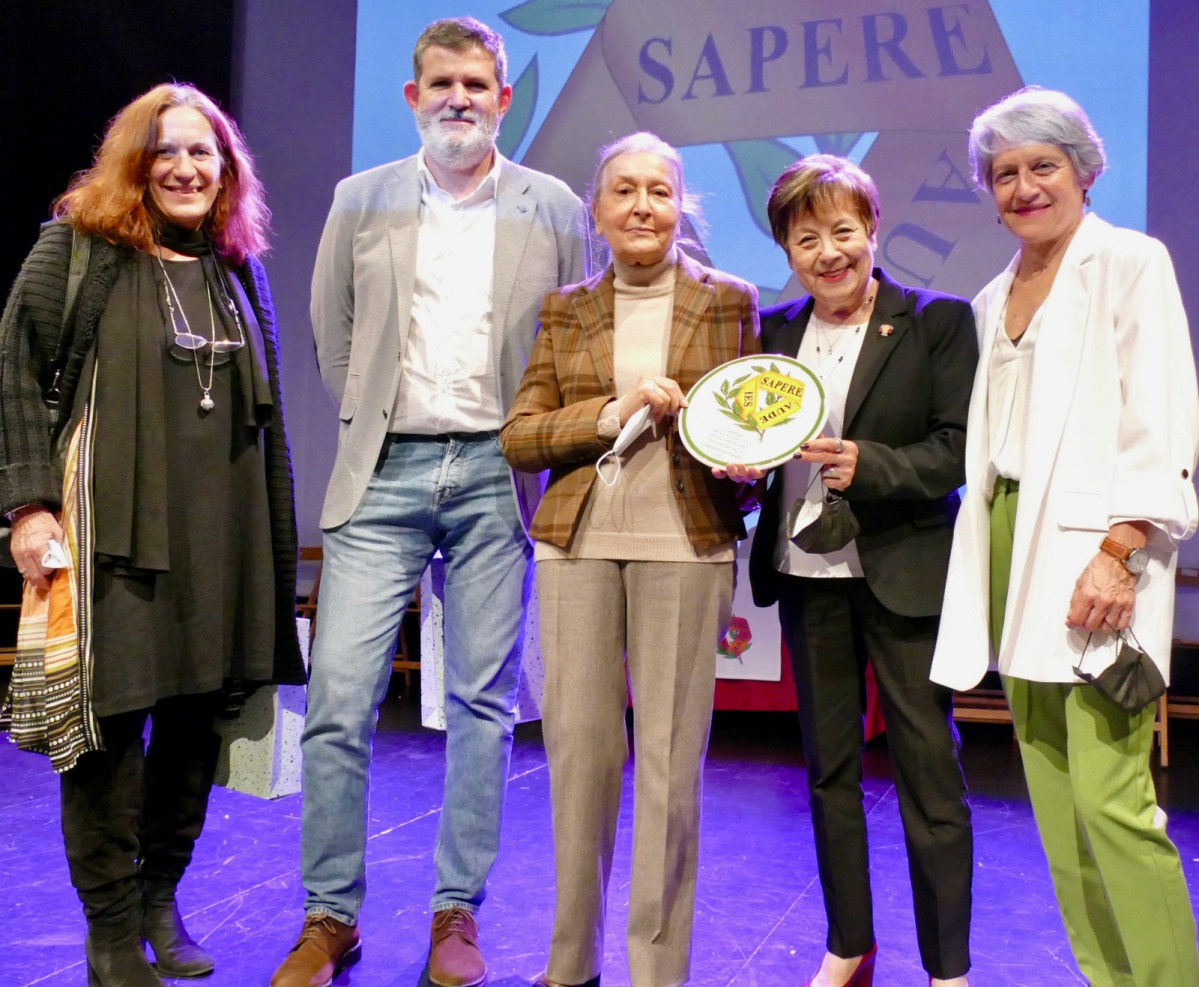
(760, 161)
(551, 17)
(520, 110)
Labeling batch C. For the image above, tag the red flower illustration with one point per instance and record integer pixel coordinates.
(736, 640)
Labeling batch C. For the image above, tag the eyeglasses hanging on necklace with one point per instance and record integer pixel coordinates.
(185, 338)
(194, 342)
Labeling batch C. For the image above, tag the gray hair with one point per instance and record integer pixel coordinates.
(460, 34)
(691, 227)
(643, 142)
(1035, 116)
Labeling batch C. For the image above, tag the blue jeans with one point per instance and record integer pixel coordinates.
(452, 494)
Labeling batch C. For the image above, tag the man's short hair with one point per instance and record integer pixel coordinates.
(460, 34)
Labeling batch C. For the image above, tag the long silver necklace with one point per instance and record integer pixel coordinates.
(189, 340)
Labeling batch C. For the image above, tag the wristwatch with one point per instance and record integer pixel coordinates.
(1133, 559)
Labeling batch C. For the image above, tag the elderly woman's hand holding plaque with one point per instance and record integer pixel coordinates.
(755, 411)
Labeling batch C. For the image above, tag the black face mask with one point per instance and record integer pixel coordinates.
(833, 529)
(1132, 681)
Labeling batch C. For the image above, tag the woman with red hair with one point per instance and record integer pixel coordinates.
(145, 472)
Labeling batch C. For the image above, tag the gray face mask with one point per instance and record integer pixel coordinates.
(833, 529)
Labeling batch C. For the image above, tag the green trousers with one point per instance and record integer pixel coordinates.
(1116, 875)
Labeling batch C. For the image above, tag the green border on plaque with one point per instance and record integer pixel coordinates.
(720, 386)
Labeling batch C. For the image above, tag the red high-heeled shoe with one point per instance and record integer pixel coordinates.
(863, 973)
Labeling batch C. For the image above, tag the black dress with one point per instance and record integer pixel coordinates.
(209, 615)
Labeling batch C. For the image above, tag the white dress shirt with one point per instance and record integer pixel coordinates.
(448, 381)
(832, 352)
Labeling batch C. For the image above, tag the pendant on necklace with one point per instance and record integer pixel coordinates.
(206, 402)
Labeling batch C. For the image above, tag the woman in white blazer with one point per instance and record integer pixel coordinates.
(1081, 440)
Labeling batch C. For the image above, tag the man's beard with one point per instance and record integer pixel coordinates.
(457, 150)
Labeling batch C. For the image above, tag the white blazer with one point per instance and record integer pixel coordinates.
(1113, 434)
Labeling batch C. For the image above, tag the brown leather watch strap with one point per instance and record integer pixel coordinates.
(1114, 548)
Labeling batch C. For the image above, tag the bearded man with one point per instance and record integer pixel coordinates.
(428, 282)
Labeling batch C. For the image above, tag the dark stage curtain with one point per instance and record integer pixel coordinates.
(66, 67)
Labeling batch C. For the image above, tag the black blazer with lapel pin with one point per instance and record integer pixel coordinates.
(906, 410)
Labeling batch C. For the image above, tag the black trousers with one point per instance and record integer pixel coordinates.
(832, 626)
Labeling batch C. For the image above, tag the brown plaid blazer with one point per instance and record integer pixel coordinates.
(553, 421)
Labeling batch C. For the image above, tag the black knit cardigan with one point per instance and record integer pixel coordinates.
(29, 332)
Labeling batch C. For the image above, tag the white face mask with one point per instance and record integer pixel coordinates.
(637, 424)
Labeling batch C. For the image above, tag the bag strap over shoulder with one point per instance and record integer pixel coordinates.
(81, 249)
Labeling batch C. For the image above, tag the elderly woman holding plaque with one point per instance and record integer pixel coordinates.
(1084, 429)
(635, 555)
(853, 544)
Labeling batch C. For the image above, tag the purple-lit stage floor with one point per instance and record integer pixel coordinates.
(759, 917)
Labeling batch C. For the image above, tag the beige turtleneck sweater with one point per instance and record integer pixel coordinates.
(637, 518)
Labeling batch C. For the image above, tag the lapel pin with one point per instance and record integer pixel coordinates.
(886, 329)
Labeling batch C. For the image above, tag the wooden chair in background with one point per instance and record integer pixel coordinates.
(312, 559)
(990, 706)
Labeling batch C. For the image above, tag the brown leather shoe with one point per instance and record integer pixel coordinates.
(324, 949)
(454, 957)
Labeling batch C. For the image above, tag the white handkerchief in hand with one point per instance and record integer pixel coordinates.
(56, 555)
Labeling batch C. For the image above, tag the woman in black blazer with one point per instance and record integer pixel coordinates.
(853, 544)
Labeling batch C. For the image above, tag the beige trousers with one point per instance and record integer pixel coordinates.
(668, 617)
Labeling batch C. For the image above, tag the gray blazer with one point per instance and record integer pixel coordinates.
(362, 289)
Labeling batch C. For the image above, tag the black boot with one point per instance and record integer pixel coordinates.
(180, 765)
(117, 963)
(176, 954)
(100, 800)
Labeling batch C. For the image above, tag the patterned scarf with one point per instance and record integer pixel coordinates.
(52, 672)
